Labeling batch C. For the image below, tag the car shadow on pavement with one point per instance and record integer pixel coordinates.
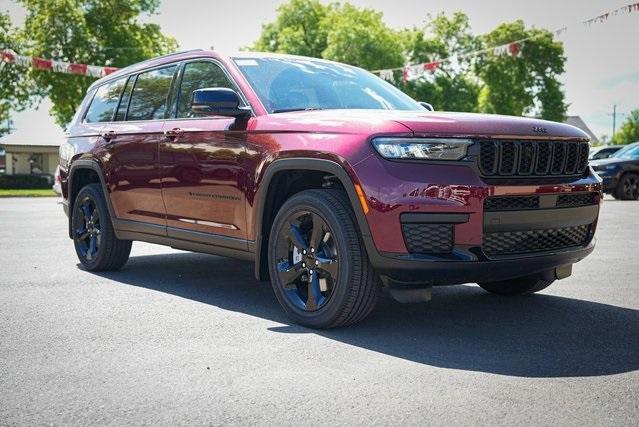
(463, 327)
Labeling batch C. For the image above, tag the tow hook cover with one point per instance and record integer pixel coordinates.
(563, 271)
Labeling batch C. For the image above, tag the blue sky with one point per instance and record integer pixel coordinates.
(602, 65)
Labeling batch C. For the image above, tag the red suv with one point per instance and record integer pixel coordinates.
(332, 181)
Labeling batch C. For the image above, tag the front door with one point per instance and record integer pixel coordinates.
(202, 180)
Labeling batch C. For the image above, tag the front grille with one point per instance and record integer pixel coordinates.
(544, 201)
(532, 158)
(428, 238)
(575, 200)
(511, 203)
(521, 242)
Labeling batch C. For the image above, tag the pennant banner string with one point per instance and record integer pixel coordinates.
(408, 72)
(512, 48)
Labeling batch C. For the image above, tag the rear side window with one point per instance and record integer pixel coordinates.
(149, 96)
(199, 75)
(105, 102)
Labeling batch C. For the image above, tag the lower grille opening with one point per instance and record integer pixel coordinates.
(529, 241)
(428, 238)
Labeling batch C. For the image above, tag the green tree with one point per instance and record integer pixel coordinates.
(299, 29)
(629, 130)
(88, 32)
(453, 86)
(525, 84)
(360, 37)
(17, 90)
(338, 32)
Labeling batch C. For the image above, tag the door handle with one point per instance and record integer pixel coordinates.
(173, 133)
(108, 135)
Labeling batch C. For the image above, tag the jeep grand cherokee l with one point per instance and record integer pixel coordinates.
(332, 181)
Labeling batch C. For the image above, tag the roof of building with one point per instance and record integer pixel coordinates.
(53, 138)
(578, 122)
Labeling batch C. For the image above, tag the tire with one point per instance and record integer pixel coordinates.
(93, 237)
(340, 287)
(628, 187)
(519, 286)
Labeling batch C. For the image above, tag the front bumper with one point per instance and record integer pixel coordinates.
(470, 265)
(397, 190)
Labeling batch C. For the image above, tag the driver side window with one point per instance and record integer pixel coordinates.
(199, 75)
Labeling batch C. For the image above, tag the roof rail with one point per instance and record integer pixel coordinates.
(168, 55)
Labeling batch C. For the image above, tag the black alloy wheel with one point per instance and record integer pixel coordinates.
(629, 187)
(307, 260)
(87, 228)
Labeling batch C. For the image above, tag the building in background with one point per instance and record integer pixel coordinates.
(578, 122)
(27, 155)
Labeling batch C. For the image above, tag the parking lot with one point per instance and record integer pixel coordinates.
(178, 337)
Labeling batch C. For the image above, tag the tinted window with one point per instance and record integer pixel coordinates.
(627, 152)
(105, 102)
(150, 92)
(297, 84)
(199, 75)
(124, 101)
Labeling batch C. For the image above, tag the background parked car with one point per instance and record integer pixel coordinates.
(620, 172)
(57, 187)
(603, 152)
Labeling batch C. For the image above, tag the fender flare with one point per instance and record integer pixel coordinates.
(82, 164)
(320, 165)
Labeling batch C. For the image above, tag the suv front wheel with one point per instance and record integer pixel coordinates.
(317, 262)
(93, 237)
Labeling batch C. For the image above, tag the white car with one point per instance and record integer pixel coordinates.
(57, 187)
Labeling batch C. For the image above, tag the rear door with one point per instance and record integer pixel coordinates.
(202, 179)
(133, 144)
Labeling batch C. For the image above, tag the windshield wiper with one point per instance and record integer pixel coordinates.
(288, 110)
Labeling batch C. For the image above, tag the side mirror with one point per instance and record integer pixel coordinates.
(218, 101)
(427, 106)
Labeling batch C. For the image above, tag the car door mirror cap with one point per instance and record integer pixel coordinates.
(218, 101)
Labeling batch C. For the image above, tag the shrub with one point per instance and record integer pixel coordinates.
(25, 181)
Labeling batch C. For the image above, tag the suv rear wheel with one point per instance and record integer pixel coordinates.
(317, 262)
(93, 237)
(519, 286)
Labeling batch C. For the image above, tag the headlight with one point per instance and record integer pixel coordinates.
(422, 148)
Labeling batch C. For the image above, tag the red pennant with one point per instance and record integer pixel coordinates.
(431, 66)
(42, 64)
(109, 70)
(78, 69)
(513, 48)
(8, 56)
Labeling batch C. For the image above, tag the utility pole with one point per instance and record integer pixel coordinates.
(614, 119)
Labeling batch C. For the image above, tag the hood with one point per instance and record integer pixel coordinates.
(421, 123)
(610, 161)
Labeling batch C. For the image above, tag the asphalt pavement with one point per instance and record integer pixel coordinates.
(179, 337)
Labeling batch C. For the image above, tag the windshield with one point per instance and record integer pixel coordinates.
(289, 84)
(628, 152)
